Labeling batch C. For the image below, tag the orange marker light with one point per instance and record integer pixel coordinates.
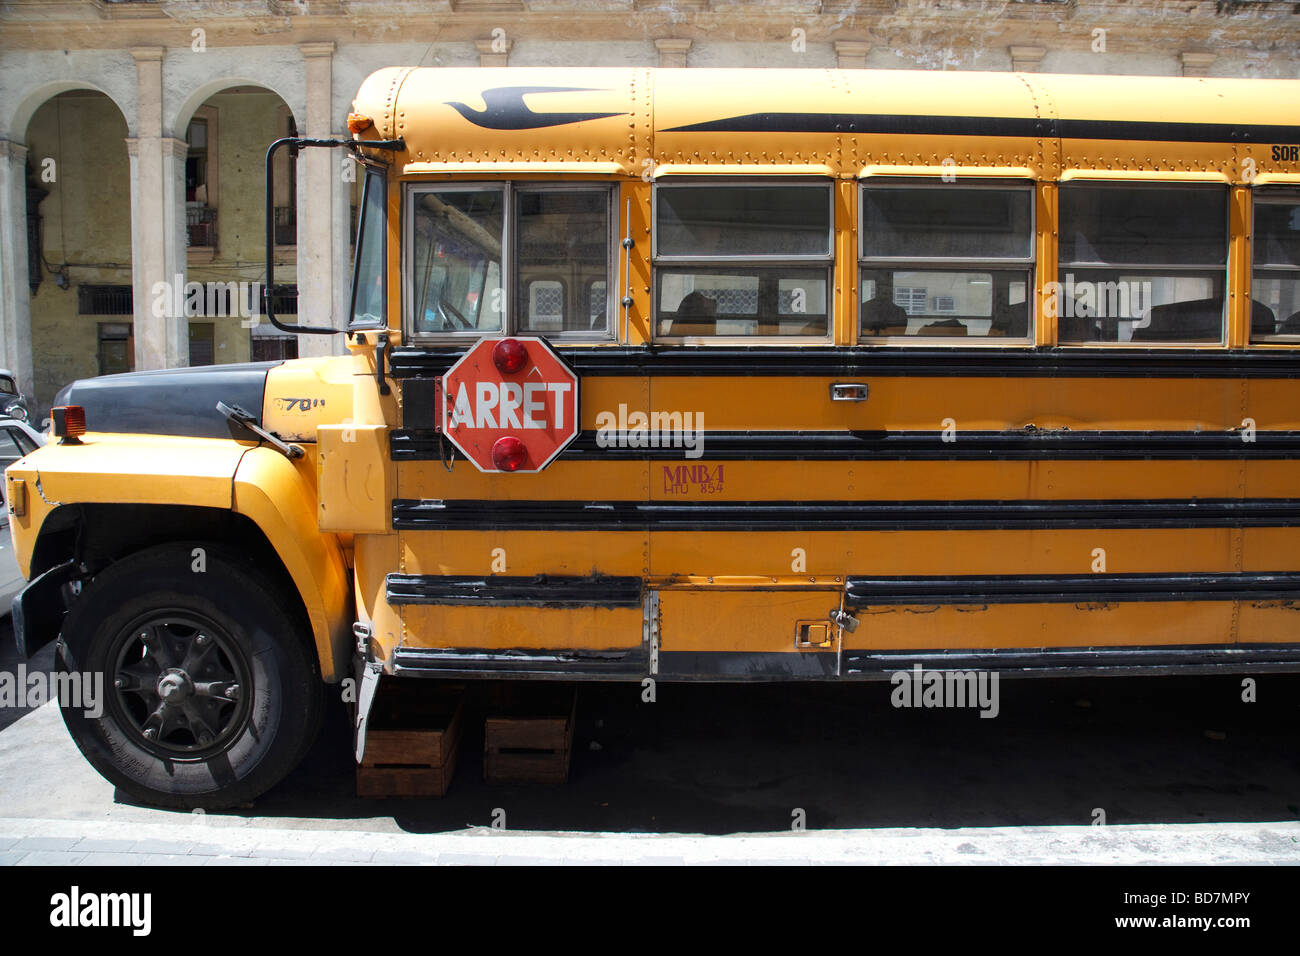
(359, 122)
(69, 423)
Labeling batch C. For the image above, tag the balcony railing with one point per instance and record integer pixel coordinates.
(200, 226)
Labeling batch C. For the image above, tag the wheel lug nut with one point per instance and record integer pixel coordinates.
(150, 733)
(119, 683)
(201, 640)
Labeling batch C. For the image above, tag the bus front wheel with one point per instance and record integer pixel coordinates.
(197, 686)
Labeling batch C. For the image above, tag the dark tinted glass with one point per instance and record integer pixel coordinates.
(946, 220)
(711, 221)
(1143, 225)
(1277, 233)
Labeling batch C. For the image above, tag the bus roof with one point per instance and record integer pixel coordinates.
(845, 123)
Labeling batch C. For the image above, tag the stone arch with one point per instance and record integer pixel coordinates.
(83, 278)
(28, 102)
(178, 114)
(223, 205)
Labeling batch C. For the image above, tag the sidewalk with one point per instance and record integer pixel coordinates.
(221, 842)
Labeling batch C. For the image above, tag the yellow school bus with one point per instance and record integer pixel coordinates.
(871, 369)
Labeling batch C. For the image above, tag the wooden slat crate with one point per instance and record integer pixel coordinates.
(528, 738)
(413, 740)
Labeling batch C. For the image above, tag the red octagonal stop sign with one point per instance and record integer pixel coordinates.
(510, 404)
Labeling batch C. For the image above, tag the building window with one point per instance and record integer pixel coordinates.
(272, 348)
(946, 261)
(201, 179)
(284, 301)
(742, 259)
(202, 343)
(105, 300)
(1275, 285)
(1141, 263)
(911, 299)
(266, 343)
(116, 348)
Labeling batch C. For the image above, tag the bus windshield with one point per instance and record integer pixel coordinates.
(457, 260)
(368, 278)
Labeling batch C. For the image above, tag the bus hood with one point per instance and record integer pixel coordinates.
(176, 401)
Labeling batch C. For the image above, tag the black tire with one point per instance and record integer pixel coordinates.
(254, 700)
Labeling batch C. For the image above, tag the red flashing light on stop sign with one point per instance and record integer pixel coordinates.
(509, 356)
(509, 453)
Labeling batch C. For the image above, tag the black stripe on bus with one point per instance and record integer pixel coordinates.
(412, 514)
(747, 665)
(633, 663)
(1027, 126)
(1021, 445)
(850, 361)
(865, 592)
(615, 664)
(542, 590)
(1188, 659)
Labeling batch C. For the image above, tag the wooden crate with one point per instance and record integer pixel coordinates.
(413, 741)
(528, 738)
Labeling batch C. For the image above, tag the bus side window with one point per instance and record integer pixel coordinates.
(1275, 282)
(943, 261)
(1142, 263)
(562, 247)
(749, 259)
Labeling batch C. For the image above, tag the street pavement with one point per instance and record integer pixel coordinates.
(1180, 769)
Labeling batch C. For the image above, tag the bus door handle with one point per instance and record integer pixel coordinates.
(849, 392)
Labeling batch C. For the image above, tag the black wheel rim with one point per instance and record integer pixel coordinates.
(181, 685)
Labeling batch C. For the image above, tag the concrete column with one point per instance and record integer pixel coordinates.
(1197, 64)
(672, 52)
(322, 212)
(15, 298)
(494, 52)
(851, 54)
(157, 222)
(1026, 59)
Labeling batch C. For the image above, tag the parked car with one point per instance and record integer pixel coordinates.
(17, 438)
(12, 403)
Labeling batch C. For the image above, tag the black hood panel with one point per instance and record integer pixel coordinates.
(174, 401)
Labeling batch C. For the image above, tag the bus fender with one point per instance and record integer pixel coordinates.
(279, 496)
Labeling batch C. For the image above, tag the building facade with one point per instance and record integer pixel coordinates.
(133, 132)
